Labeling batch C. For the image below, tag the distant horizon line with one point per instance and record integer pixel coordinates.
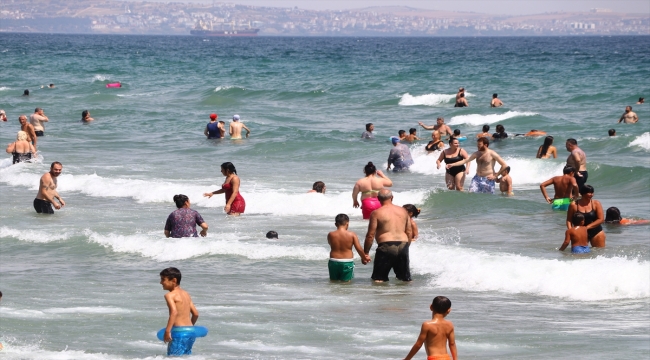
(329, 36)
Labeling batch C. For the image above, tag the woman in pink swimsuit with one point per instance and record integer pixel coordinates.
(235, 203)
(369, 187)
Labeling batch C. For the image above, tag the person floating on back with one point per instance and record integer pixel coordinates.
(437, 333)
(341, 263)
(180, 307)
(577, 236)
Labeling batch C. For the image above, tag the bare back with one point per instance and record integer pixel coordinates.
(392, 223)
(369, 186)
(21, 147)
(236, 128)
(578, 236)
(341, 243)
(563, 186)
(438, 331)
(577, 160)
(181, 301)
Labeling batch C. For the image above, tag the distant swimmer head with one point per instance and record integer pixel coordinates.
(228, 167)
(180, 200)
(341, 219)
(214, 116)
(578, 219)
(456, 132)
(235, 117)
(568, 170)
(628, 108)
(500, 128)
(495, 95)
(440, 305)
(394, 139)
(84, 114)
(170, 274)
(461, 89)
(641, 100)
(412, 210)
(369, 169)
(26, 92)
(587, 189)
(51, 86)
(21, 136)
(370, 127)
(611, 132)
(486, 128)
(412, 131)
(613, 215)
(462, 94)
(319, 187)
(401, 133)
(453, 141)
(272, 235)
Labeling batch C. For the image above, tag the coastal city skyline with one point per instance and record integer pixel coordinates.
(179, 18)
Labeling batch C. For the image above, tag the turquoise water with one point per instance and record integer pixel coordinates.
(83, 284)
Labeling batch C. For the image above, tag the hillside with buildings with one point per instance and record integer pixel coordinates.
(118, 17)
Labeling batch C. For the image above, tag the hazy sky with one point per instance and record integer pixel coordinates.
(510, 7)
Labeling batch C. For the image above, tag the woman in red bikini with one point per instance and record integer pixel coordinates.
(235, 204)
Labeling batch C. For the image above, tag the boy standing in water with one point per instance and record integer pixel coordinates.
(341, 264)
(180, 307)
(505, 182)
(436, 333)
(577, 236)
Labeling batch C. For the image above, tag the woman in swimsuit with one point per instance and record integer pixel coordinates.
(461, 101)
(369, 187)
(592, 210)
(455, 176)
(235, 204)
(21, 149)
(435, 144)
(545, 151)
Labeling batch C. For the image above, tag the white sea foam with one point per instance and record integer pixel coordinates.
(428, 99)
(477, 119)
(33, 235)
(642, 141)
(591, 279)
(3, 88)
(256, 345)
(15, 352)
(223, 87)
(100, 77)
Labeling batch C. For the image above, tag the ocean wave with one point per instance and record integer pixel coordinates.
(592, 279)
(35, 236)
(428, 99)
(100, 77)
(3, 88)
(642, 141)
(227, 87)
(477, 119)
(13, 351)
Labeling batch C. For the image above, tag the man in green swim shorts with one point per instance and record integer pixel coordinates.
(566, 189)
(341, 263)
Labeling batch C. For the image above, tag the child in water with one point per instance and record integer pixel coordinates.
(413, 213)
(613, 216)
(577, 236)
(436, 333)
(180, 307)
(341, 263)
(505, 183)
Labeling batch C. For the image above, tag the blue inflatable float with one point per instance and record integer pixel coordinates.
(461, 138)
(183, 338)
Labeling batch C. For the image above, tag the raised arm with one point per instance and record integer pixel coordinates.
(370, 234)
(386, 182)
(567, 240)
(426, 127)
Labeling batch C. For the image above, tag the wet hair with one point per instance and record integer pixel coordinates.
(613, 215)
(368, 125)
(180, 200)
(611, 132)
(51, 85)
(26, 92)
(412, 209)
(577, 219)
(272, 235)
(486, 128)
(341, 219)
(401, 132)
(586, 189)
(568, 170)
(484, 140)
(229, 166)
(318, 186)
(384, 195)
(507, 170)
(456, 132)
(171, 273)
(451, 140)
(369, 168)
(55, 163)
(641, 99)
(461, 89)
(84, 114)
(572, 141)
(37, 109)
(500, 128)
(413, 130)
(21, 135)
(495, 95)
(462, 94)
(440, 304)
(548, 141)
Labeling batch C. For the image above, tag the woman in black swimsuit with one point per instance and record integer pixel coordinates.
(21, 149)
(461, 101)
(435, 144)
(455, 176)
(593, 213)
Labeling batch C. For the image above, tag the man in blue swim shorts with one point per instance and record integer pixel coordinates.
(484, 180)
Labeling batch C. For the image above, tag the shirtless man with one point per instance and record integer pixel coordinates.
(391, 226)
(629, 116)
(578, 161)
(495, 101)
(440, 126)
(28, 128)
(47, 191)
(485, 133)
(484, 180)
(641, 101)
(461, 90)
(180, 307)
(235, 128)
(37, 119)
(566, 189)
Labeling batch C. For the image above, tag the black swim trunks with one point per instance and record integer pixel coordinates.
(581, 180)
(392, 255)
(39, 133)
(43, 207)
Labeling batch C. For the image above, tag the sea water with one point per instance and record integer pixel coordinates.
(83, 283)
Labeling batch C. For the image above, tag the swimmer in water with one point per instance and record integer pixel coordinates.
(272, 235)
(370, 127)
(611, 132)
(484, 180)
(533, 133)
(566, 189)
(235, 128)
(180, 307)
(212, 130)
(577, 236)
(641, 101)
(85, 116)
(500, 134)
(402, 134)
(547, 149)
(505, 182)
(413, 213)
(629, 116)
(461, 101)
(613, 216)
(26, 92)
(412, 136)
(435, 144)
(369, 187)
(318, 187)
(440, 126)
(3, 115)
(485, 133)
(495, 101)
(455, 176)
(437, 333)
(341, 241)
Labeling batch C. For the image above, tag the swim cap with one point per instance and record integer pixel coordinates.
(236, 117)
(394, 139)
(213, 116)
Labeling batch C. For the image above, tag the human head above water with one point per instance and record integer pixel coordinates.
(229, 167)
(401, 133)
(568, 170)
(586, 189)
(500, 128)
(506, 171)
(486, 128)
(578, 219)
(180, 200)
(495, 95)
(319, 186)
(369, 169)
(484, 141)
(440, 305)
(613, 214)
(213, 116)
(235, 117)
(384, 194)
(412, 209)
(171, 273)
(611, 132)
(412, 131)
(21, 135)
(456, 132)
(84, 114)
(369, 126)
(272, 235)
(341, 219)
(26, 92)
(572, 142)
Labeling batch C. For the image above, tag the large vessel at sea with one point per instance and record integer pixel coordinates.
(202, 29)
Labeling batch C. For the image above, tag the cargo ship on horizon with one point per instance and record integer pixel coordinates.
(202, 29)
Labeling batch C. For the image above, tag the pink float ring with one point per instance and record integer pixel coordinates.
(114, 85)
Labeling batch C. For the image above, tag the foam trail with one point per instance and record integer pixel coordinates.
(15, 351)
(642, 141)
(35, 236)
(428, 99)
(592, 279)
(100, 77)
(3, 88)
(477, 119)
(224, 87)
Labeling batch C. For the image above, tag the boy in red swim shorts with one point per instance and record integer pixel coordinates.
(436, 333)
